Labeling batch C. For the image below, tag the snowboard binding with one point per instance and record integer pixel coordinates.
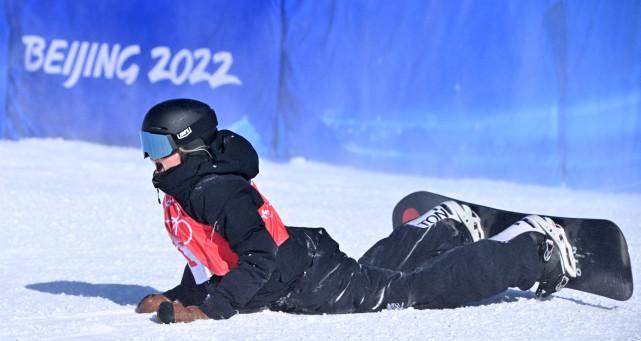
(556, 252)
(452, 210)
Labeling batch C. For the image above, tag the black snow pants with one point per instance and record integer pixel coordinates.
(413, 267)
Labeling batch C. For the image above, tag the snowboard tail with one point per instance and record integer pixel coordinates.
(601, 249)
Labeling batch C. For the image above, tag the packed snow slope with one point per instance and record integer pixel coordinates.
(83, 240)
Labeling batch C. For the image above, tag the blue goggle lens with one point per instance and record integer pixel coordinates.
(156, 146)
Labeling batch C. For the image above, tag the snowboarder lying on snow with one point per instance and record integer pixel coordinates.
(241, 258)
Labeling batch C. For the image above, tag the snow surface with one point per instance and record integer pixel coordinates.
(83, 240)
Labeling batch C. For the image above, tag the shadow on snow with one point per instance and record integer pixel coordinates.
(123, 294)
(513, 295)
(130, 294)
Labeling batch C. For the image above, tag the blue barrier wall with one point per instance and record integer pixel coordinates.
(4, 51)
(541, 92)
(90, 70)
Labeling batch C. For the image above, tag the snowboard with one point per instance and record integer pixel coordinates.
(601, 249)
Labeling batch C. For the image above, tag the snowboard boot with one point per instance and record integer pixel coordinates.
(555, 250)
(455, 211)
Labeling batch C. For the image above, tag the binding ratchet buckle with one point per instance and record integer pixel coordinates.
(562, 283)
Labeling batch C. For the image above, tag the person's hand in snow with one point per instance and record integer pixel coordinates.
(150, 303)
(170, 312)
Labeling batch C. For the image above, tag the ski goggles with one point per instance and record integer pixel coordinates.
(156, 146)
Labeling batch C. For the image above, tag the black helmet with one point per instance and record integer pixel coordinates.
(177, 123)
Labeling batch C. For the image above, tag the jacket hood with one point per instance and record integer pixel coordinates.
(233, 154)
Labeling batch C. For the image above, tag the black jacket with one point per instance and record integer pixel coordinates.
(214, 189)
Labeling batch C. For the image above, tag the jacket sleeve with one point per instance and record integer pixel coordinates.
(247, 236)
(187, 292)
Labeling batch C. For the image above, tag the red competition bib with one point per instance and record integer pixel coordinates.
(206, 251)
